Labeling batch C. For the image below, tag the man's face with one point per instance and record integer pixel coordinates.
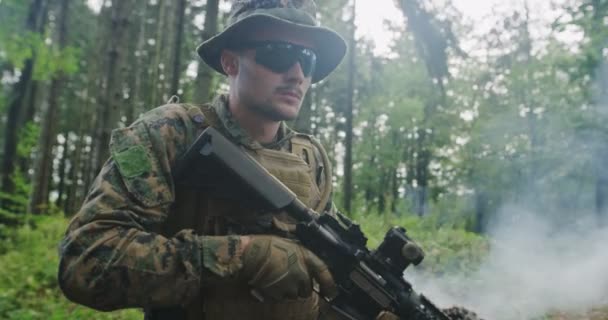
(276, 96)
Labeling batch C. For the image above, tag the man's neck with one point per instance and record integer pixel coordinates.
(256, 125)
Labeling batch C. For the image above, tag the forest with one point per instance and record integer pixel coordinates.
(486, 141)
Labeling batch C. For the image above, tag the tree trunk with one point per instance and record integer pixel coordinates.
(481, 210)
(432, 43)
(348, 114)
(16, 103)
(524, 53)
(177, 47)
(601, 198)
(12, 129)
(30, 107)
(166, 54)
(204, 77)
(44, 168)
(381, 193)
(88, 175)
(395, 181)
(112, 96)
(422, 172)
(132, 67)
(135, 107)
(72, 177)
(63, 175)
(44, 164)
(36, 87)
(34, 95)
(157, 67)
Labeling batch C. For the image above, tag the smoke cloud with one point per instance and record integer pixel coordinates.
(534, 267)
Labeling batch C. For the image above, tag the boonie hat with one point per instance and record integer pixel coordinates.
(299, 15)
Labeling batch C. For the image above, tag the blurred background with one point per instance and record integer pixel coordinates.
(480, 126)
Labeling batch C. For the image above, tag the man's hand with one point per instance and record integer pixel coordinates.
(282, 269)
(275, 267)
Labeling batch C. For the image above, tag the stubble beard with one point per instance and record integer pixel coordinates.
(273, 112)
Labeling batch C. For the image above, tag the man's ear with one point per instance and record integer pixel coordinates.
(230, 62)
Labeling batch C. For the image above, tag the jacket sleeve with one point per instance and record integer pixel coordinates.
(112, 255)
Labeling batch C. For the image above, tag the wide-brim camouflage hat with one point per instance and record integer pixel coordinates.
(299, 15)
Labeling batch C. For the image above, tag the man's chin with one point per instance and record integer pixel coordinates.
(279, 111)
(283, 116)
(284, 112)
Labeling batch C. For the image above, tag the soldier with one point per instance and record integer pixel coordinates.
(142, 241)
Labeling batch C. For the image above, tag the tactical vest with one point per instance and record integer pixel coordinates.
(216, 215)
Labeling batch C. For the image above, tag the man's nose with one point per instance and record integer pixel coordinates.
(295, 73)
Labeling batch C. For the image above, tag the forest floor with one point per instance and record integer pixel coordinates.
(594, 314)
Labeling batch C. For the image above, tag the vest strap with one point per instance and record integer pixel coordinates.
(304, 146)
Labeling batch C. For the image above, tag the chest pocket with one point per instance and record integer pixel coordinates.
(296, 175)
(292, 171)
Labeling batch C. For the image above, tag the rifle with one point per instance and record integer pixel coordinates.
(368, 281)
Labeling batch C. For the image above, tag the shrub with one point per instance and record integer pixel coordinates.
(28, 276)
(448, 248)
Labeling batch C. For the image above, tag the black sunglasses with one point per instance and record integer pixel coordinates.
(280, 56)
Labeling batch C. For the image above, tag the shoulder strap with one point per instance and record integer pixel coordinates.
(304, 146)
(301, 146)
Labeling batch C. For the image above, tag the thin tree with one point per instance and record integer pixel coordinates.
(39, 199)
(432, 38)
(158, 63)
(15, 107)
(63, 168)
(34, 91)
(348, 114)
(136, 74)
(111, 97)
(177, 46)
(204, 77)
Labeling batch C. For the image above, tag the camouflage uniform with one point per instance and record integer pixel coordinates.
(137, 240)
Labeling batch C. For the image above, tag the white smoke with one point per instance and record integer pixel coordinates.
(534, 267)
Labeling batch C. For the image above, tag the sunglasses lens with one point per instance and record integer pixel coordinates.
(308, 61)
(280, 57)
(276, 58)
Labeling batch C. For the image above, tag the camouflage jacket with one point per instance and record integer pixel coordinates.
(114, 254)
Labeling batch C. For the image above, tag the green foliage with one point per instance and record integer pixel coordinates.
(15, 209)
(447, 249)
(28, 139)
(28, 281)
(589, 17)
(20, 47)
(50, 61)
(3, 103)
(15, 204)
(29, 290)
(12, 17)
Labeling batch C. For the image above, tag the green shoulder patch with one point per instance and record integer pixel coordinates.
(133, 161)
